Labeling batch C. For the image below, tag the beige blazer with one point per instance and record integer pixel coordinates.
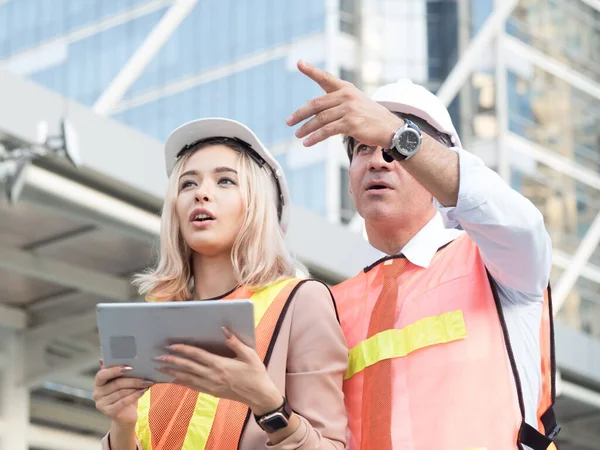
(308, 364)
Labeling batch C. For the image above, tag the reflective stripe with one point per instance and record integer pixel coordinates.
(394, 343)
(263, 298)
(201, 423)
(142, 427)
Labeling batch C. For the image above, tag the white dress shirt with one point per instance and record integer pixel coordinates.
(510, 234)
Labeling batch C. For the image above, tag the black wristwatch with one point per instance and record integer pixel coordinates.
(405, 143)
(276, 419)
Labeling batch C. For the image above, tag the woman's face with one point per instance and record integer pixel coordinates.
(209, 202)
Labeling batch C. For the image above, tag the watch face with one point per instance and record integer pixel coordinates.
(274, 422)
(409, 140)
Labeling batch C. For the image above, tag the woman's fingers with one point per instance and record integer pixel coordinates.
(104, 375)
(117, 396)
(115, 385)
(115, 408)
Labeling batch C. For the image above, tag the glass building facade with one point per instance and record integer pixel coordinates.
(229, 58)
(552, 60)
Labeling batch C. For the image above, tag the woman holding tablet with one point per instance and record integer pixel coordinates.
(224, 217)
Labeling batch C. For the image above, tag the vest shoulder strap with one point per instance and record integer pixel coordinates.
(232, 417)
(528, 435)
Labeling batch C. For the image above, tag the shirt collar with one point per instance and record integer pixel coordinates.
(421, 249)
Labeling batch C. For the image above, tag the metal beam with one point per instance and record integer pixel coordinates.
(586, 247)
(58, 238)
(54, 271)
(563, 260)
(54, 301)
(73, 417)
(12, 318)
(552, 66)
(143, 55)
(469, 60)
(592, 4)
(76, 381)
(553, 160)
(106, 211)
(48, 438)
(72, 325)
(580, 393)
(34, 380)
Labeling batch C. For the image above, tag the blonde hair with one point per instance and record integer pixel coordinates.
(259, 254)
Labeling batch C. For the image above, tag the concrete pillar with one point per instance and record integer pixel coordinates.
(14, 399)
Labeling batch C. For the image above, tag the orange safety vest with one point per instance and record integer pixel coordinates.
(454, 380)
(173, 417)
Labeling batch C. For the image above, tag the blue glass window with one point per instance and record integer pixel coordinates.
(218, 32)
(480, 10)
(95, 61)
(519, 105)
(26, 23)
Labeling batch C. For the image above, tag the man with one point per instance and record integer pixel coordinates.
(451, 334)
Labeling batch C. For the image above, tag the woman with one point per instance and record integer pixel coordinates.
(225, 214)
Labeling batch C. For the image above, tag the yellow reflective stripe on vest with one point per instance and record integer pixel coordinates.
(263, 298)
(142, 427)
(393, 343)
(201, 422)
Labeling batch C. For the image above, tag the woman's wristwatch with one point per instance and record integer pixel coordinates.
(276, 419)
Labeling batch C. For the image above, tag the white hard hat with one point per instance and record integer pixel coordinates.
(190, 133)
(406, 97)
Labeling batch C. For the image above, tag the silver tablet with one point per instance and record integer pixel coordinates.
(133, 333)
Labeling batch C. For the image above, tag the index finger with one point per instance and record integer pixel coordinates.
(105, 375)
(327, 81)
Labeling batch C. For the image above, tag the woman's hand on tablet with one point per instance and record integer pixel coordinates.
(243, 379)
(116, 396)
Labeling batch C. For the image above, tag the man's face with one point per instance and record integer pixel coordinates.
(384, 192)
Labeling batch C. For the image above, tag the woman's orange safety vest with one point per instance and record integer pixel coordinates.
(173, 417)
(454, 381)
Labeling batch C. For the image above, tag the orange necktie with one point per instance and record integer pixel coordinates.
(377, 388)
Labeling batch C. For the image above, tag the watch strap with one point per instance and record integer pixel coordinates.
(285, 409)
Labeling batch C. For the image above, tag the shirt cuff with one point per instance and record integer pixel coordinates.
(470, 193)
(105, 443)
